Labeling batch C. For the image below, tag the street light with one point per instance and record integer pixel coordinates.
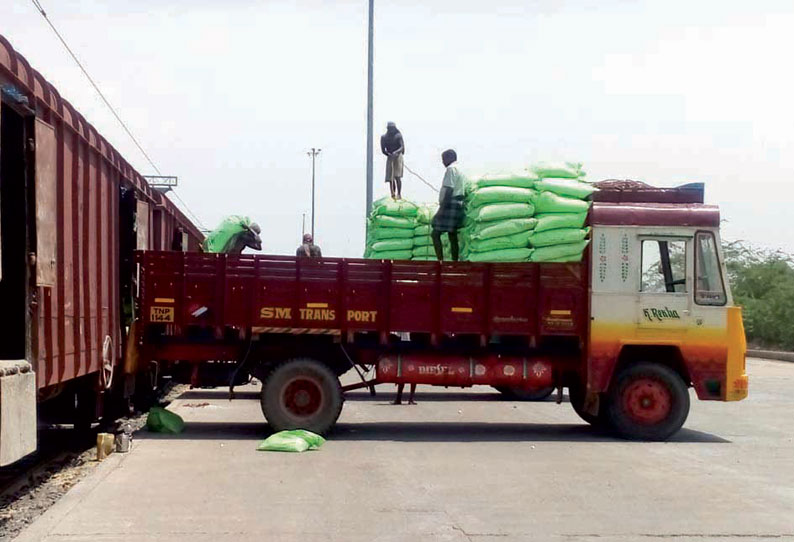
(313, 153)
(370, 64)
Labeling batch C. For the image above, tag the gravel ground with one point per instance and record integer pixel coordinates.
(51, 472)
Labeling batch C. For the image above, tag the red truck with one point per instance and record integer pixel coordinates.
(646, 315)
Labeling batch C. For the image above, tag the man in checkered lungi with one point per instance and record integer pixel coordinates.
(449, 217)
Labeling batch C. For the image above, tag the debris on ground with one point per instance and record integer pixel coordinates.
(297, 440)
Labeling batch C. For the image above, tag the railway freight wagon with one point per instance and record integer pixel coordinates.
(72, 213)
(646, 315)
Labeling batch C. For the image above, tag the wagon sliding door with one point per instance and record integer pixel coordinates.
(46, 205)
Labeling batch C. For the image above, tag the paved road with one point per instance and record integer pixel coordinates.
(457, 470)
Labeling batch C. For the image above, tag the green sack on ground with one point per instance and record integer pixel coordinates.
(160, 420)
(219, 239)
(379, 234)
(388, 255)
(517, 240)
(392, 207)
(388, 221)
(557, 237)
(506, 255)
(570, 188)
(545, 254)
(526, 180)
(489, 230)
(297, 440)
(393, 244)
(549, 202)
(500, 211)
(500, 194)
(565, 170)
(556, 221)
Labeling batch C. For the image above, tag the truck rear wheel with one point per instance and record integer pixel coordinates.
(302, 394)
(521, 394)
(648, 401)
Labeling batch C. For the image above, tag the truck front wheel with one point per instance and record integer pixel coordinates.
(648, 401)
(302, 394)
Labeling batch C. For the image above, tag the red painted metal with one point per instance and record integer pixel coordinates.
(341, 295)
(458, 370)
(654, 214)
(72, 318)
(646, 401)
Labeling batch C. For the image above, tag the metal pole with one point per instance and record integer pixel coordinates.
(370, 64)
(313, 153)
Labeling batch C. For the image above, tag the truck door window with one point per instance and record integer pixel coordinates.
(663, 266)
(709, 287)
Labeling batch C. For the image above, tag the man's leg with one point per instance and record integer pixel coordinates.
(453, 245)
(436, 237)
(399, 399)
(399, 182)
(411, 395)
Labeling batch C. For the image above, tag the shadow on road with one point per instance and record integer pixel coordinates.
(218, 394)
(425, 432)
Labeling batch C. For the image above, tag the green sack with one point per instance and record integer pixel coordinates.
(557, 221)
(379, 234)
(500, 211)
(565, 170)
(423, 241)
(388, 255)
(558, 237)
(545, 254)
(525, 180)
(424, 251)
(423, 229)
(489, 230)
(392, 207)
(387, 221)
(549, 202)
(517, 240)
(506, 255)
(566, 259)
(297, 440)
(424, 259)
(393, 244)
(160, 420)
(570, 188)
(426, 213)
(500, 194)
(220, 239)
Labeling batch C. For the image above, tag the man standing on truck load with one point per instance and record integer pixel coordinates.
(449, 217)
(308, 249)
(393, 147)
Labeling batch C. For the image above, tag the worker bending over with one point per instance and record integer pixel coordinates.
(308, 249)
(449, 217)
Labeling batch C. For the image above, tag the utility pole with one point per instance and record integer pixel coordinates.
(370, 64)
(313, 153)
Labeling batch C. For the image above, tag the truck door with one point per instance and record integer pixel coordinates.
(664, 302)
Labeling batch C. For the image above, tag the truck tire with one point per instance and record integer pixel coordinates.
(302, 394)
(520, 394)
(647, 401)
(576, 396)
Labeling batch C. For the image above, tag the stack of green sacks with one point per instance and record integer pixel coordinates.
(499, 219)
(423, 242)
(561, 207)
(390, 230)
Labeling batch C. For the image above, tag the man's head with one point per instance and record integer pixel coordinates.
(448, 157)
(307, 238)
(391, 127)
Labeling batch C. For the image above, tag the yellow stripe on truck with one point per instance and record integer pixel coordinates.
(736, 385)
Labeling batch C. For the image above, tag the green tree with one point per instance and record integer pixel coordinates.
(762, 282)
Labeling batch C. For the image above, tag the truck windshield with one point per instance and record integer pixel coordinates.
(663, 266)
(709, 287)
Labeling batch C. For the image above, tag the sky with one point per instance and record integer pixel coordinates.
(230, 95)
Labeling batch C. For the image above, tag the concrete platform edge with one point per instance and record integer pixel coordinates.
(771, 354)
(44, 525)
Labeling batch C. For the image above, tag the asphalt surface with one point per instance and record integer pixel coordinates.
(459, 466)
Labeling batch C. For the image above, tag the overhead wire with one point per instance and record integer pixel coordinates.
(40, 9)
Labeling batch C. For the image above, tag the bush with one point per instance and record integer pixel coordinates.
(762, 282)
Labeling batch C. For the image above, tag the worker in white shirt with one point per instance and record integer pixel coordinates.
(449, 217)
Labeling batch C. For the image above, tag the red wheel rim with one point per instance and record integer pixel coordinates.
(647, 401)
(302, 397)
